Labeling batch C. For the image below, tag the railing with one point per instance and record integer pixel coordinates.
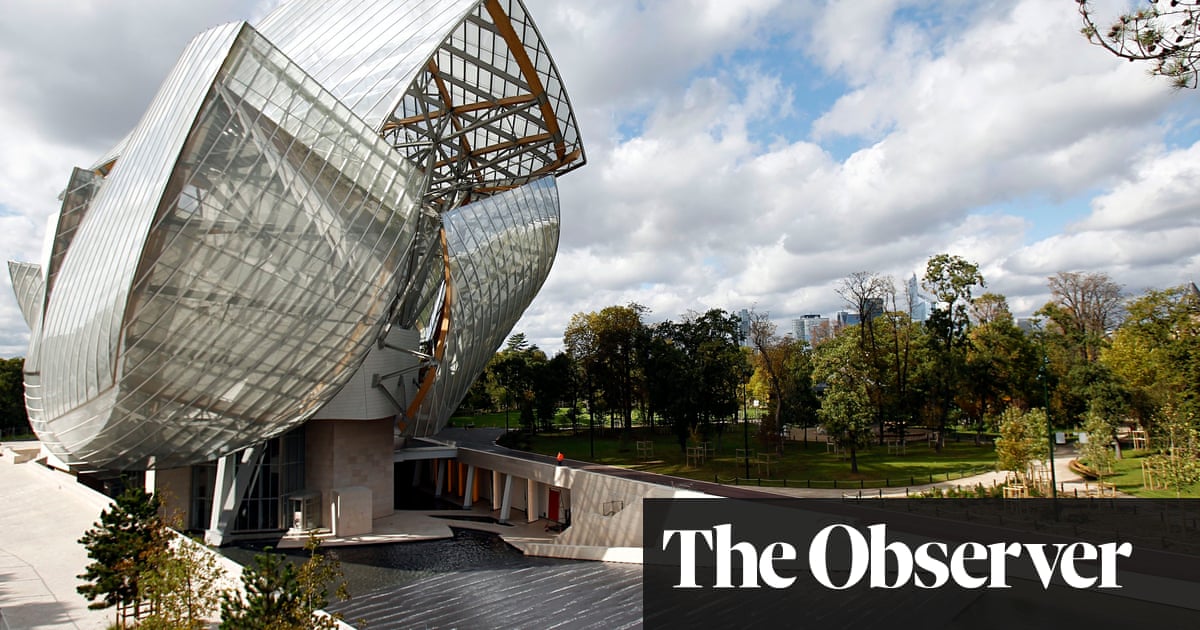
(859, 484)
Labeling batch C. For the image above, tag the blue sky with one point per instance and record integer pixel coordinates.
(740, 154)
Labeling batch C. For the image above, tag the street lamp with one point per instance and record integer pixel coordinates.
(1044, 376)
(1049, 425)
(746, 439)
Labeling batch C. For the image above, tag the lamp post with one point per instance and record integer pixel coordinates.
(1044, 376)
(746, 440)
(1049, 425)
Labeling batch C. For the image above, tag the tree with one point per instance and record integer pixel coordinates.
(692, 371)
(1163, 33)
(122, 546)
(867, 293)
(1001, 370)
(181, 585)
(1092, 388)
(13, 417)
(1023, 439)
(552, 384)
(618, 329)
(669, 381)
(512, 374)
(1155, 353)
(1178, 444)
(950, 279)
(845, 404)
(280, 596)
(786, 374)
(517, 343)
(988, 308)
(1085, 306)
(903, 347)
(272, 597)
(1097, 452)
(711, 343)
(579, 339)
(605, 345)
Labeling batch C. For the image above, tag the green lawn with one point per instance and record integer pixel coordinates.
(814, 465)
(1127, 476)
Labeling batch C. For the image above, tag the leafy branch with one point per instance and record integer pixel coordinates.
(1163, 33)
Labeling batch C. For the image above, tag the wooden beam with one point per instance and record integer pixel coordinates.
(442, 334)
(517, 48)
(541, 137)
(460, 109)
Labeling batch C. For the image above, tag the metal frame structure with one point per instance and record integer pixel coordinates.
(297, 193)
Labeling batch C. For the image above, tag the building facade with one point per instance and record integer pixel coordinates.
(812, 329)
(304, 253)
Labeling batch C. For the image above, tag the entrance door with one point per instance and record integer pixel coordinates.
(552, 509)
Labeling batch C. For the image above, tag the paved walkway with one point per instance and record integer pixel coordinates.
(42, 515)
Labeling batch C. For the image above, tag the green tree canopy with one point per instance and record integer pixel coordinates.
(1023, 439)
(845, 413)
(1155, 352)
(281, 596)
(122, 546)
(951, 279)
(13, 418)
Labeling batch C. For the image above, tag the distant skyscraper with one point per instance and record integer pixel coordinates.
(846, 318)
(874, 308)
(919, 304)
(812, 329)
(744, 326)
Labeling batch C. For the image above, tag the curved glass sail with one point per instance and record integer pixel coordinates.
(295, 196)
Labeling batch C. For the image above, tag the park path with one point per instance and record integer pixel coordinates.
(1069, 483)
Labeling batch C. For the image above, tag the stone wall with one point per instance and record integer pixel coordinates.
(350, 453)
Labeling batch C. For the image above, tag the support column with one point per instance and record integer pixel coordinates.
(418, 466)
(467, 498)
(234, 475)
(495, 490)
(531, 500)
(151, 481)
(506, 500)
(439, 477)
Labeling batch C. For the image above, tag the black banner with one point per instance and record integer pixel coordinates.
(969, 563)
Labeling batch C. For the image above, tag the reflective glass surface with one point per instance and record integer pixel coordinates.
(291, 195)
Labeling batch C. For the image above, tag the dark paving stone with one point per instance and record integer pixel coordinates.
(564, 595)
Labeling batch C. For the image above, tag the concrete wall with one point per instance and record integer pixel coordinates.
(350, 453)
(174, 488)
(606, 511)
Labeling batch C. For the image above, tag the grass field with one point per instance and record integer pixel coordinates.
(813, 466)
(1127, 476)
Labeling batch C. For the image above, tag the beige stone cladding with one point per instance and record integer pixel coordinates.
(173, 487)
(349, 453)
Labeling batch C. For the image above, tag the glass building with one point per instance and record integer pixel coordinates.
(335, 215)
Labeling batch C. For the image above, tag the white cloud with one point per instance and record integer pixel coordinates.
(715, 178)
(1162, 191)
